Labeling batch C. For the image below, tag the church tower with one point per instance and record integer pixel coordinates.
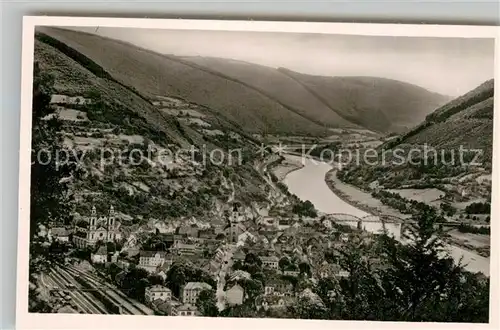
(92, 225)
(111, 224)
(93, 219)
(233, 223)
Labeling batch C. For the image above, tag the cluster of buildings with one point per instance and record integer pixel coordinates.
(270, 239)
(161, 299)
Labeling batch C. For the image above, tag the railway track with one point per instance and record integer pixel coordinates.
(111, 295)
(129, 305)
(83, 300)
(99, 306)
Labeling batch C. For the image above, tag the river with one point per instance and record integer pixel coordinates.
(308, 183)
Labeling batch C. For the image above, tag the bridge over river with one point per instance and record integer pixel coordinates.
(378, 223)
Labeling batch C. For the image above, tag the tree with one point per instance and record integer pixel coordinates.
(37, 305)
(253, 288)
(181, 273)
(135, 282)
(422, 282)
(251, 258)
(305, 268)
(207, 303)
(50, 200)
(284, 262)
(156, 280)
(308, 308)
(247, 309)
(50, 196)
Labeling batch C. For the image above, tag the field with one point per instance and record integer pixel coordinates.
(429, 196)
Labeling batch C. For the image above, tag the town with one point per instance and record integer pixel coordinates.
(265, 264)
(268, 215)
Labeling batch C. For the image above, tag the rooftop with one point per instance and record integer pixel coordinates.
(269, 259)
(186, 308)
(197, 286)
(158, 288)
(59, 231)
(152, 254)
(102, 251)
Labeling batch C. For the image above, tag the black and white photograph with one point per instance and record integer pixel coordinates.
(177, 171)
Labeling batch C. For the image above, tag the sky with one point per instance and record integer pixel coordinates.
(450, 66)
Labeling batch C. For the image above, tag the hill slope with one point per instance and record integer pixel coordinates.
(277, 86)
(461, 135)
(154, 74)
(466, 121)
(264, 99)
(117, 122)
(378, 104)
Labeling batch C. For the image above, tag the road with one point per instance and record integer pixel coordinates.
(221, 279)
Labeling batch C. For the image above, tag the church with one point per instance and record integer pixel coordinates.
(103, 228)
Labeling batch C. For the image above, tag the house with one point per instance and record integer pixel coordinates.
(60, 234)
(179, 238)
(213, 268)
(150, 260)
(185, 249)
(285, 223)
(234, 296)
(344, 237)
(239, 274)
(168, 308)
(187, 310)
(246, 236)
(267, 222)
(277, 287)
(293, 273)
(331, 270)
(239, 255)
(325, 270)
(327, 223)
(167, 238)
(162, 274)
(191, 291)
(157, 292)
(273, 302)
(188, 230)
(101, 256)
(331, 294)
(207, 233)
(220, 253)
(270, 262)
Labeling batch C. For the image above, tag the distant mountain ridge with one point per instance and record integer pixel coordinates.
(461, 135)
(262, 99)
(466, 121)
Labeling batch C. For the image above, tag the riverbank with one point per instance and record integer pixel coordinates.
(309, 183)
(281, 170)
(365, 201)
(358, 198)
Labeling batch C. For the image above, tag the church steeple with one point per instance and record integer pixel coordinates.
(111, 218)
(93, 218)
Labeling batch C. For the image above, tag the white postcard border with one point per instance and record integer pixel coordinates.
(25, 320)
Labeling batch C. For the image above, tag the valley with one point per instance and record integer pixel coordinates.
(202, 186)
